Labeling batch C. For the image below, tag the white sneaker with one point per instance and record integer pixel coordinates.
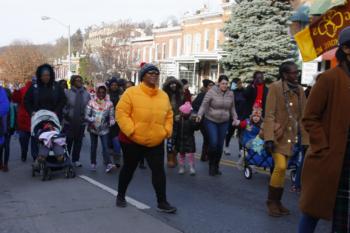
(182, 170)
(109, 167)
(77, 164)
(192, 171)
(227, 151)
(93, 167)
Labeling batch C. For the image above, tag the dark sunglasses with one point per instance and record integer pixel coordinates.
(153, 73)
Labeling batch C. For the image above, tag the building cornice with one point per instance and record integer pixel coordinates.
(205, 15)
(167, 29)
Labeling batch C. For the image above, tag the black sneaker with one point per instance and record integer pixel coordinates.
(165, 207)
(23, 159)
(121, 202)
(218, 172)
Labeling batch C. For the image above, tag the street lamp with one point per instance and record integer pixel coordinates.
(69, 50)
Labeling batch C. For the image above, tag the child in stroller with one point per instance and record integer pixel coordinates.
(255, 154)
(50, 139)
(52, 154)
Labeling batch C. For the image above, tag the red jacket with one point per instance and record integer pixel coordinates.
(23, 118)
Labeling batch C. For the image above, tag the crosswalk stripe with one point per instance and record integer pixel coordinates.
(130, 200)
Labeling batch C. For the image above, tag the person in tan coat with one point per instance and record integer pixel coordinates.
(326, 171)
(282, 126)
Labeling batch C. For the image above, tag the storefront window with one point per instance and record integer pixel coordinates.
(187, 72)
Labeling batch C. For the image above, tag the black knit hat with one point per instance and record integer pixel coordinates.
(112, 80)
(184, 81)
(344, 36)
(147, 68)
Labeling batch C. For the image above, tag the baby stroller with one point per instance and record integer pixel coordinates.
(53, 154)
(255, 155)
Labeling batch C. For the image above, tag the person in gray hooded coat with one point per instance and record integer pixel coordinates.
(74, 117)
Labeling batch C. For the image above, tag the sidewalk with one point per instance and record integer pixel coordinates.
(28, 205)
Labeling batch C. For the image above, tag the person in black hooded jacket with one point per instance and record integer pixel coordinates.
(45, 93)
(115, 91)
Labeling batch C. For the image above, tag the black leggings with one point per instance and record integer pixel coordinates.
(230, 133)
(5, 150)
(132, 155)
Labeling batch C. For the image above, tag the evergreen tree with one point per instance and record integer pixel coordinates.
(258, 38)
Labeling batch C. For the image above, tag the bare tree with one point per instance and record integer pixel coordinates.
(19, 61)
(115, 53)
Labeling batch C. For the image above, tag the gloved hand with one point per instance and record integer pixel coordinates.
(269, 146)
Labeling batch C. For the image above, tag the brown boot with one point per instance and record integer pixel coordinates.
(283, 210)
(171, 159)
(272, 202)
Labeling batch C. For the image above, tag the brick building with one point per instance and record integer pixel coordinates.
(191, 50)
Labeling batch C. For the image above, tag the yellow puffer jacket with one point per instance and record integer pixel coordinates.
(144, 115)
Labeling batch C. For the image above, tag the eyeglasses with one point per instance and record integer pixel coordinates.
(153, 73)
(294, 72)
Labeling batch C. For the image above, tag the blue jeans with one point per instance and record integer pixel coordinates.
(216, 133)
(104, 141)
(307, 224)
(299, 170)
(116, 146)
(24, 138)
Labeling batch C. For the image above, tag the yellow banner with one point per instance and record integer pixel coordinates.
(322, 35)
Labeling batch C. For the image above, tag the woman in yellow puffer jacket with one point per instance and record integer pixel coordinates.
(145, 117)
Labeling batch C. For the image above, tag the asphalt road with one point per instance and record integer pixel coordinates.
(228, 203)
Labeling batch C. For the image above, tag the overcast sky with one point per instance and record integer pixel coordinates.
(21, 19)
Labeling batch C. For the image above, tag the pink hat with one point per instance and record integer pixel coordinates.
(186, 108)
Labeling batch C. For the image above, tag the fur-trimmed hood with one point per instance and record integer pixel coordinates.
(170, 80)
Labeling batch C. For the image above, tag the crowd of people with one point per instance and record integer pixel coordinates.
(142, 123)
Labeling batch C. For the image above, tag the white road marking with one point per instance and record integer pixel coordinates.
(132, 201)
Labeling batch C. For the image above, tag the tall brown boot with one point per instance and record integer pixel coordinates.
(273, 202)
(171, 159)
(283, 209)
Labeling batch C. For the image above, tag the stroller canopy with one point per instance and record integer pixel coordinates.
(44, 115)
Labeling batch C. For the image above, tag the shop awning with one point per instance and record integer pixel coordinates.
(321, 6)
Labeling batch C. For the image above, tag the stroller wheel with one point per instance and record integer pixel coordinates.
(33, 171)
(293, 175)
(248, 172)
(71, 172)
(49, 174)
(271, 170)
(44, 171)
